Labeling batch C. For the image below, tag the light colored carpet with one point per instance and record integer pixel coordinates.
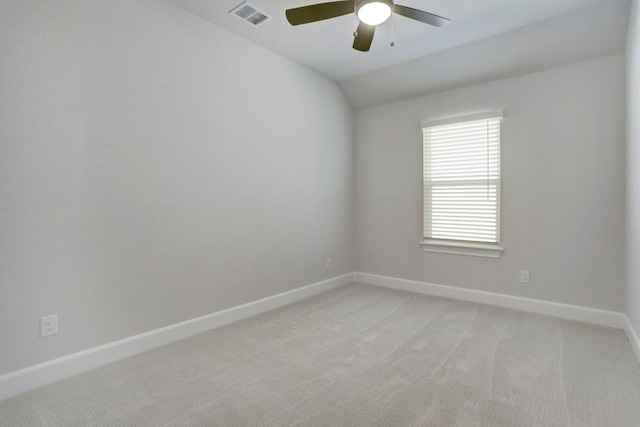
(360, 356)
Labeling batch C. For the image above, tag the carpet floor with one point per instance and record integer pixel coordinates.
(360, 356)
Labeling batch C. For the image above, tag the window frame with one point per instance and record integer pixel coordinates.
(464, 247)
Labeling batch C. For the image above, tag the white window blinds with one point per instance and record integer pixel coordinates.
(462, 180)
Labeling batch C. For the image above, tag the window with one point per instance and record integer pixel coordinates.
(462, 185)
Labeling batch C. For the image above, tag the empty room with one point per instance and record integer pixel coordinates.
(308, 213)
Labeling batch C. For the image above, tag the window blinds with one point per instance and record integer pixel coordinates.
(462, 181)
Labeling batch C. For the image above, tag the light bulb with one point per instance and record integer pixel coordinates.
(374, 13)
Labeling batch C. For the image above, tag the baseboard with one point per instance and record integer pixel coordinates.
(564, 311)
(634, 338)
(48, 372)
(45, 373)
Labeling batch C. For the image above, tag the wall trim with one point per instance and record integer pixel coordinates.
(565, 311)
(45, 373)
(48, 372)
(634, 338)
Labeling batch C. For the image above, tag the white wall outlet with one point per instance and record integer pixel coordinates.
(48, 325)
(327, 263)
(524, 276)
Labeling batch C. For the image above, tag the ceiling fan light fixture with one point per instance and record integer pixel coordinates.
(374, 12)
(370, 13)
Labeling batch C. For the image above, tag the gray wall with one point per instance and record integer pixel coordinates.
(154, 168)
(633, 168)
(563, 197)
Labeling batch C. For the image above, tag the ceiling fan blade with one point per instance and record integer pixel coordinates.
(420, 15)
(362, 41)
(319, 12)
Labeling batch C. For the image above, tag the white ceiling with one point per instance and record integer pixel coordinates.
(326, 46)
(590, 32)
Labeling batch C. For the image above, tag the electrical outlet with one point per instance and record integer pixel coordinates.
(48, 325)
(524, 276)
(328, 263)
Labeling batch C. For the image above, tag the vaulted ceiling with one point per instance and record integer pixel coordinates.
(486, 39)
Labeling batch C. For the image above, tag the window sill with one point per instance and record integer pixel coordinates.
(467, 249)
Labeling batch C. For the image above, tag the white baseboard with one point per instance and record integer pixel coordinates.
(565, 311)
(45, 373)
(634, 338)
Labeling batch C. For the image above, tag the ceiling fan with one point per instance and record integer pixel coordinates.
(370, 13)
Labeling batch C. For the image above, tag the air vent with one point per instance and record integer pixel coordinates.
(249, 13)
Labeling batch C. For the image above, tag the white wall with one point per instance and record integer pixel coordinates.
(633, 168)
(155, 168)
(563, 186)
